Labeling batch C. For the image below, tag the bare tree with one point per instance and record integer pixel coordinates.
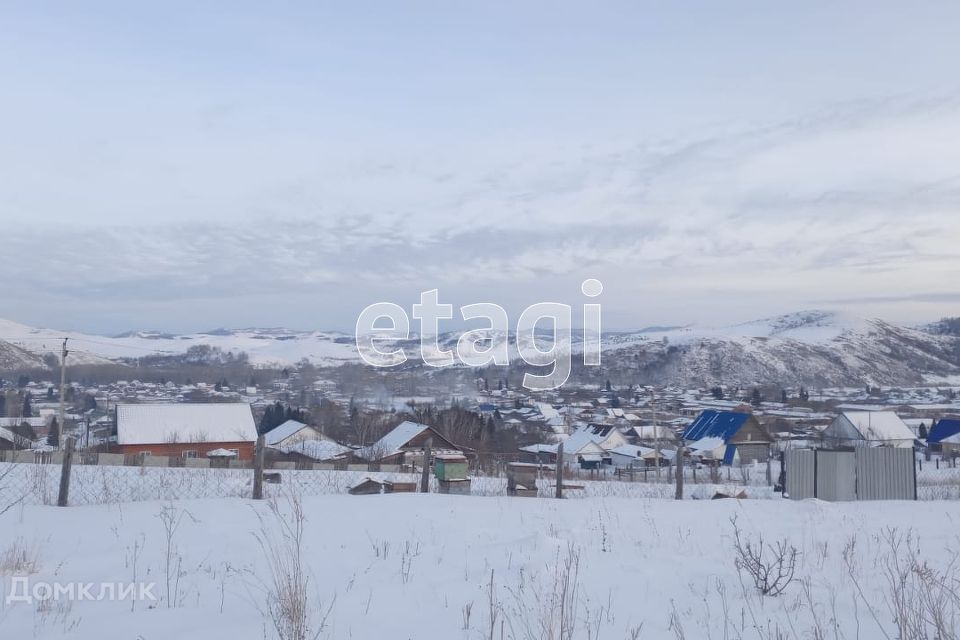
(771, 567)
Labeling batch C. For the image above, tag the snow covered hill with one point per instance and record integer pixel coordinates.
(812, 348)
(263, 346)
(816, 348)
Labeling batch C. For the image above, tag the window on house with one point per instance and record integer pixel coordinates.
(144, 454)
(190, 453)
(235, 452)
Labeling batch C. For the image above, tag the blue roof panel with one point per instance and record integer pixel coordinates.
(729, 454)
(715, 424)
(944, 429)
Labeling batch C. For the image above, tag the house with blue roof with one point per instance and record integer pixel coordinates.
(945, 436)
(740, 436)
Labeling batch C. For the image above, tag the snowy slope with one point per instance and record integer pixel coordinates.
(436, 567)
(809, 348)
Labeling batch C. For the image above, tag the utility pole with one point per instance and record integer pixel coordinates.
(63, 385)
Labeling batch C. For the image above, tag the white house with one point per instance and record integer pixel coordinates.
(868, 429)
(290, 433)
(629, 455)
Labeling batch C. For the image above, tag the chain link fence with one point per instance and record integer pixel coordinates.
(37, 483)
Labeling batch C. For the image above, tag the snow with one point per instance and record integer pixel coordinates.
(285, 347)
(397, 438)
(631, 450)
(317, 449)
(283, 431)
(162, 423)
(408, 565)
(704, 445)
(221, 453)
(879, 425)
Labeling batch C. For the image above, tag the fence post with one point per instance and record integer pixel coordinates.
(425, 474)
(258, 468)
(679, 492)
(559, 473)
(64, 498)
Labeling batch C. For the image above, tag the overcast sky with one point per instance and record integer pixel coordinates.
(287, 164)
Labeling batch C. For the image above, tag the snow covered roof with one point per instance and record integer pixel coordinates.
(401, 435)
(631, 450)
(652, 432)
(13, 438)
(580, 440)
(540, 448)
(221, 453)
(879, 425)
(16, 422)
(706, 444)
(318, 449)
(169, 423)
(715, 424)
(282, 432)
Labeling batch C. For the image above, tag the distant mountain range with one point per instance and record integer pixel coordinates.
(812, 348)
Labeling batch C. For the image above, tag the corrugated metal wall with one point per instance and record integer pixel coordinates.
(868, 473)
(886, 473)
(800, 466)
(836, 476)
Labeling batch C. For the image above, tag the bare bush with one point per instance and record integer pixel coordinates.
(549, 611)
(19, 558)
(290, 606)
(924, 600)
(172, 518)
(770, 567)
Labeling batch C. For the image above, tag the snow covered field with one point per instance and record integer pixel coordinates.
(411, 566)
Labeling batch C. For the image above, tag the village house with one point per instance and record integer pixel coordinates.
(405, 445)
(868, 429)
(944, 437)
(297, 441)
(186, 430)
(10, 441)
(630, 455)
(740, 436)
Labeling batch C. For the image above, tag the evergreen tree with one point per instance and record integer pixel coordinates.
(49, 393)
(52, 438)
(27, 407)
(755, 398)
(783, 396)
(923, 431)
(608, 386)
(491, 427)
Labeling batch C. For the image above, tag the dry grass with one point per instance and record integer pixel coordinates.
(19, 558)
